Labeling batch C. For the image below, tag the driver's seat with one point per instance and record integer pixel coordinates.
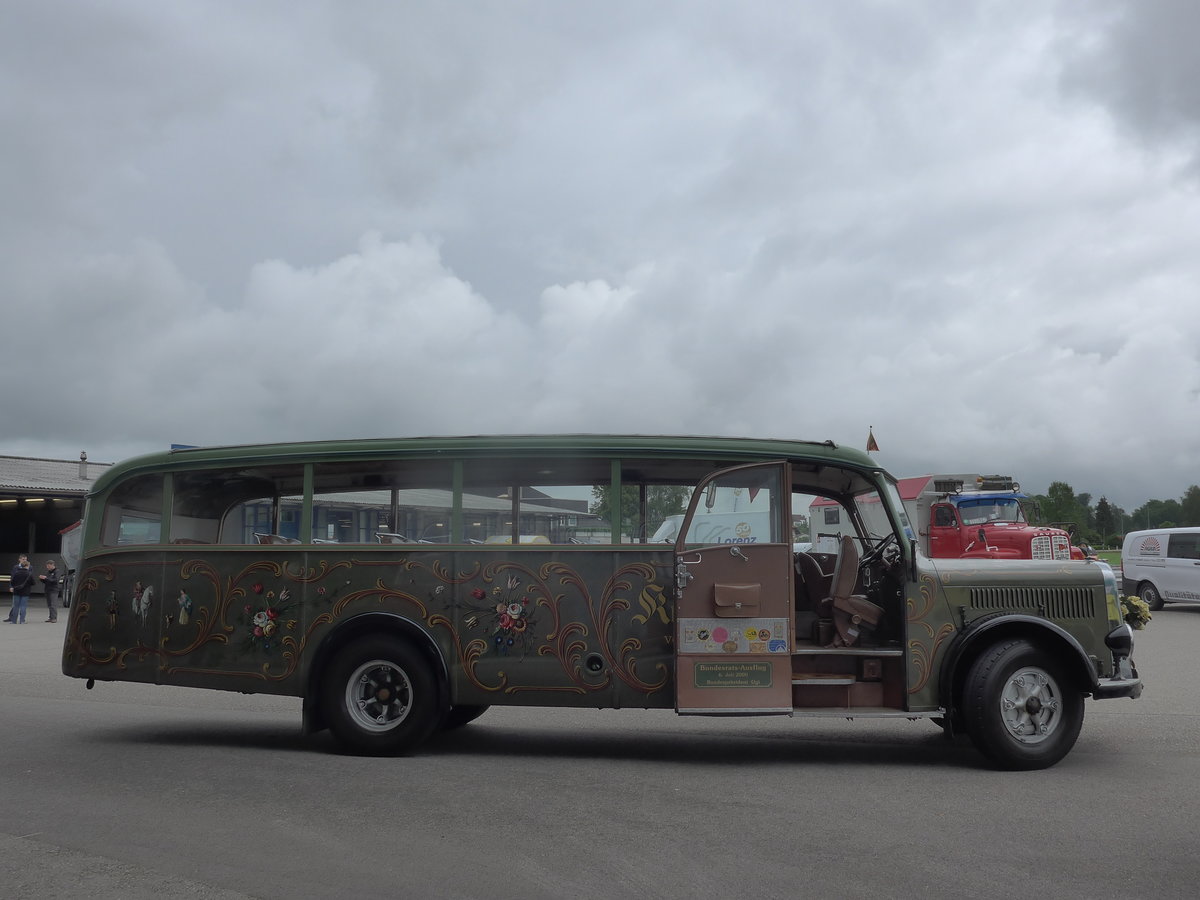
(852, 613)
(816, 584)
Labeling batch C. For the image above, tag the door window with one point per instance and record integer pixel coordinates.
(741, 506)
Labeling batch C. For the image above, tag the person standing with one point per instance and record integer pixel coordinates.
(49, 580)
(21, 585)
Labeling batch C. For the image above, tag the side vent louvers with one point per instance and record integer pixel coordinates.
(1059, 602)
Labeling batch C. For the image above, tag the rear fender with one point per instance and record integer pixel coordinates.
(369, 624)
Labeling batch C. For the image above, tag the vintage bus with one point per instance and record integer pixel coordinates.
(404, 586)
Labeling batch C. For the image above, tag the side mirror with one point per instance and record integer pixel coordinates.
(983, 537)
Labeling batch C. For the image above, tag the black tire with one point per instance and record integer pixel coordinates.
(380, 697)
(1020, 708)
(1150, 596)
(458, 716)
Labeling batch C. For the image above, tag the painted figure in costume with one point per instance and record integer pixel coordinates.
(141, 600)
(185, 607)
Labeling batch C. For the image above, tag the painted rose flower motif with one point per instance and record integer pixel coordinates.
(266, 620)
(506, 612)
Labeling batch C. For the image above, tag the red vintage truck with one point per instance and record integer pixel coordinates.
(961, 517)
(978, 516)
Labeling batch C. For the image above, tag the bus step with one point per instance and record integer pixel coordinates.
(821, 678)
(819, 689)
(866, 712)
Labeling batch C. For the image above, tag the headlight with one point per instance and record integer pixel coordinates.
(1111, 595)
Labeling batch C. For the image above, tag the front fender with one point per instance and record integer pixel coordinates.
(987, 630)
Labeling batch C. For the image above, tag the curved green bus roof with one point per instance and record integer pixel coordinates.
(733, 449)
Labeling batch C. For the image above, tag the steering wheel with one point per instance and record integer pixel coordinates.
(873, 555)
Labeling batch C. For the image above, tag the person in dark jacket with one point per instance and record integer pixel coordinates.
(20, 583)
(49, 580)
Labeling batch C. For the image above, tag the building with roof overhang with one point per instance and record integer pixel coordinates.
(40, 499)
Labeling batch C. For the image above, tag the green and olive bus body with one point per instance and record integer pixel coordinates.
(401, 586)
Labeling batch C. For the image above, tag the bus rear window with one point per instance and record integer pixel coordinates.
(133, 514)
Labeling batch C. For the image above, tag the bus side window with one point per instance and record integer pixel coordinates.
(536, 500)
(382, 501)
(231, 505)
(133, 512)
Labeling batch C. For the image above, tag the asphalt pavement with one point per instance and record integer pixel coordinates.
(138, 791)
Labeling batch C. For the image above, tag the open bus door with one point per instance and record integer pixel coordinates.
(734, 606)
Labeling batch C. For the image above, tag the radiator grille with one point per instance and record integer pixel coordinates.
(1045, 546)
(1059, 602)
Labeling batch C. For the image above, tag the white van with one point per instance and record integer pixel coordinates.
(1162, 565)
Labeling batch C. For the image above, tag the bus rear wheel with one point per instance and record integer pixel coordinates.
(1019, 707)
(380, 697)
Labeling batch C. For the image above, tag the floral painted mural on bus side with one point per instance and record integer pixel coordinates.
(505, 615)
(507, 625)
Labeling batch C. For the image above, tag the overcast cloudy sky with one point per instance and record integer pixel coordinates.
(972, 226)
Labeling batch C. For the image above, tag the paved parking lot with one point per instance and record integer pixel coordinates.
(136, 791)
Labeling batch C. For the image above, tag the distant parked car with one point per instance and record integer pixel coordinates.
(1162, 565)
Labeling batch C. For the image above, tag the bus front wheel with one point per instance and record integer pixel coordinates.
(1020, 708)
(380, 697)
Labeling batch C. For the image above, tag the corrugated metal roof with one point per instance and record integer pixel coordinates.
(26, 475)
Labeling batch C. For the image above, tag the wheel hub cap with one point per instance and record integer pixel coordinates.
(378, 695)
(1031, 705)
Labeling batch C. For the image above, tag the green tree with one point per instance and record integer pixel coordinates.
(1105, 523)
(1155, 514)
(1060, 505)
(1190, 506)
(1084, 502)
(1120, 522)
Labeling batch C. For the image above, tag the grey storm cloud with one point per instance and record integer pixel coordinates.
(968, 226)
(1141, 63)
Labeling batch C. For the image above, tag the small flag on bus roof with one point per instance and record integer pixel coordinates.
(872, 446)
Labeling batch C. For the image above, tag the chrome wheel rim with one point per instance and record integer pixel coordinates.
(378, 695)
(1031, 705)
